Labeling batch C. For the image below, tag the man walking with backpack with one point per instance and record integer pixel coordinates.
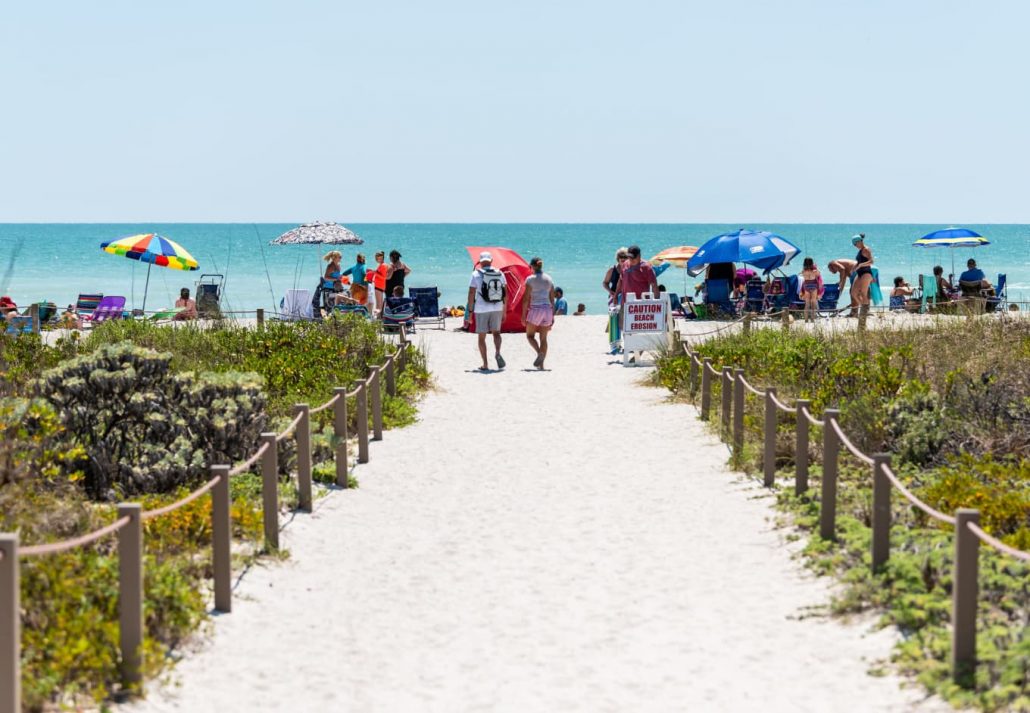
(488, 300)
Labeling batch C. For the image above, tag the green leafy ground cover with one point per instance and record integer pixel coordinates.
(139, 412)
(951, 403)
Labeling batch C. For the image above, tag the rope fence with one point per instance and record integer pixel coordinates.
(129, 525)
(968, 533)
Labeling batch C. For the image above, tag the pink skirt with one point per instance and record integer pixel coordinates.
(540, 316)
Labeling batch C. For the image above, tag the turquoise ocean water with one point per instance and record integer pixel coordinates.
(57, 261)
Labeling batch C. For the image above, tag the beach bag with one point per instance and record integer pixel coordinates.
(494, 286)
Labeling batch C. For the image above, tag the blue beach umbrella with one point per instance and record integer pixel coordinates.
(762, 249)
(952, 238)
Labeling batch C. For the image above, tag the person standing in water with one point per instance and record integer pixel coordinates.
(538, 309)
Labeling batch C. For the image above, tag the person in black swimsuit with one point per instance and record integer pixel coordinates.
(863, 274)
(396, 273)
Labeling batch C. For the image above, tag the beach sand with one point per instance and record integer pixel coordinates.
(560, 540)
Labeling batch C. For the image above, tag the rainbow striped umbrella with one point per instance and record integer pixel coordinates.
(152, 249)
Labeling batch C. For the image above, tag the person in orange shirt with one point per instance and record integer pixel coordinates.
(379, 280)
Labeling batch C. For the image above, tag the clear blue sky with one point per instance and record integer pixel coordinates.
(795, 110)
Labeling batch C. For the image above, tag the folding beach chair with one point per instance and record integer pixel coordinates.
(296, 306)
(16, 325)
(755, 301)
(108, 308)
(828, 302)
(351, 309)
(401, 313)
(927, 293)
(797, 304)
(87, 303)
(427, 307)
(1000, 298)
(717, 298)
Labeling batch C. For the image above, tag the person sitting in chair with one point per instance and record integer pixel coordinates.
(187, 306)
(973, 280)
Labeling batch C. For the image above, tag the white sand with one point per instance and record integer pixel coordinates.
(541, 541)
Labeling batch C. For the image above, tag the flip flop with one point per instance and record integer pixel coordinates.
(500, 362)
(538, 361)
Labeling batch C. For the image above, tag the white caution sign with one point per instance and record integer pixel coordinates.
(645, 324)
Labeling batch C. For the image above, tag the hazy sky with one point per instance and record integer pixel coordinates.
(739, 111)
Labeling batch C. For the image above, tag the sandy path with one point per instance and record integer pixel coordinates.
(521, 549)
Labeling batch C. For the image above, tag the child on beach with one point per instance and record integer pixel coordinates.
(811, 288)
(379, 275)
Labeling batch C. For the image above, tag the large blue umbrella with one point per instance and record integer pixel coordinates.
(952, 238)
(762, 249)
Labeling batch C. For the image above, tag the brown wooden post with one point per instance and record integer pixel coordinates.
(34, 317)
(260, 319)
(746, 327)
(391, 379)
(693, 372)
(738, 415)
(10, 625)
(801, 449)
(340, 432)
(769, 454)
(785, 318)
(221, 538)
(881, 544)
(362, 400)
(706, 389)
(965, 595)
(375, 378)
(727, 398)
(863, 315)
(303, 457)
(270, 490)
(828, 497)
(130, 595)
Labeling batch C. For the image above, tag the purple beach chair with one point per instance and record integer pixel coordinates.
(108, 308)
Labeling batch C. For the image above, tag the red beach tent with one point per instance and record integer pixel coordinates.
(515, 270)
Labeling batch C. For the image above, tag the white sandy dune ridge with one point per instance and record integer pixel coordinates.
(563, 540)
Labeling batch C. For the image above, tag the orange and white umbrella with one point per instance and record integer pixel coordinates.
(677, 256)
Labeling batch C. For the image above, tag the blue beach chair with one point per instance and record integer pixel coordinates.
(755, 301)
(828, 302)
(427, 306)
(1001, 298)
(717, 297)
(797, 304)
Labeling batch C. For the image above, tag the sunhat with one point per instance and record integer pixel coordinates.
(485, 257)
(856, 239)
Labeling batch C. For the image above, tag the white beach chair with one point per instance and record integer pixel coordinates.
(296, 305)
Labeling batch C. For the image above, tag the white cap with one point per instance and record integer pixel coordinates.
(485, 257)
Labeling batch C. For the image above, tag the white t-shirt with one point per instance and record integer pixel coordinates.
(482, 305)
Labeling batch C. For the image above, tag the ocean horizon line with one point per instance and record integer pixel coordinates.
(515, 222)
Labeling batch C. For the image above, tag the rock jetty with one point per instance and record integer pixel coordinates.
(318, 232)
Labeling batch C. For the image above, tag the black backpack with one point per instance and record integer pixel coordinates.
(494, 286)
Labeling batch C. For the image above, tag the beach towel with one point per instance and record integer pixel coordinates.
(874, 287)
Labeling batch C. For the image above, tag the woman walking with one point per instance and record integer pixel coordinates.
(538, 309)
(611, 283)
(863, 275)
(811, 288)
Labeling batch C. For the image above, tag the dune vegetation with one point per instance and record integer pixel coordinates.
(139, 412)
(951, 403)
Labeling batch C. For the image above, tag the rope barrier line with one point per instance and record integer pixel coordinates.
(913, 499)
(812, 419)
(849, 445)
(328, 404)
(712, 369)
(245, 466)
(65, 545)
(782, 406)
(202, 490)
(752, 389)
(289, 429)
(997, 544)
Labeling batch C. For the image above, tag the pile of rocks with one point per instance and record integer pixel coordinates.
(318, 232)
